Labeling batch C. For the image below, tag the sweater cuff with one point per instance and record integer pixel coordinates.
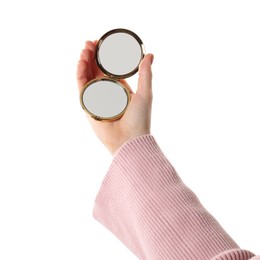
(236, 254)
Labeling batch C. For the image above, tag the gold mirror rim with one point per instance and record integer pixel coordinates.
(98, 118)
(99, 43)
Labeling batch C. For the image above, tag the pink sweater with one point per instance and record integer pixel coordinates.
(144, 202)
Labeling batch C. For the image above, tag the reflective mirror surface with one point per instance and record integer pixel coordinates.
(119, 53)
(105, 99)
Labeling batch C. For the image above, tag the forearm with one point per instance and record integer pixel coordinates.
(146, 205)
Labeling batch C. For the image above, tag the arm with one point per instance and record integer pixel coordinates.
(146, 205)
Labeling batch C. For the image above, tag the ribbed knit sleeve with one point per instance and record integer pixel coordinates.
(143, 201)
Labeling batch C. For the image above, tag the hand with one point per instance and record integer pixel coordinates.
(137, 119)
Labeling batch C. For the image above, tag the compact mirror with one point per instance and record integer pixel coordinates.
(105, 99)
(119, 53)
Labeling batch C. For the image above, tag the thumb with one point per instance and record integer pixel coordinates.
(145, 77)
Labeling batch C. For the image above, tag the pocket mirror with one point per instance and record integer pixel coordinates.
(119, 53)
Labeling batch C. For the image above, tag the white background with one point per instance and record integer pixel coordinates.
(205, 118)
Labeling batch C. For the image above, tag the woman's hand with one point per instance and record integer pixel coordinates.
(137, 119)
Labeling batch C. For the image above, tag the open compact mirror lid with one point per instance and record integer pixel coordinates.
(119, 53)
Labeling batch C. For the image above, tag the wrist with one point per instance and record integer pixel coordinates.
(116, 148)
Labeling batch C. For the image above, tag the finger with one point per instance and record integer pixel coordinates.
(145, 77)
(85, 64)
(82, 74)
(89, 50)
(96, 72)
(88, 53)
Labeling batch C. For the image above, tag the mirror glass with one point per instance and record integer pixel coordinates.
(119, 53)
(105, 99)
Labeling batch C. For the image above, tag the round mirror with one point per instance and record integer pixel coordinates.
(119, 53)
(105, 99)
